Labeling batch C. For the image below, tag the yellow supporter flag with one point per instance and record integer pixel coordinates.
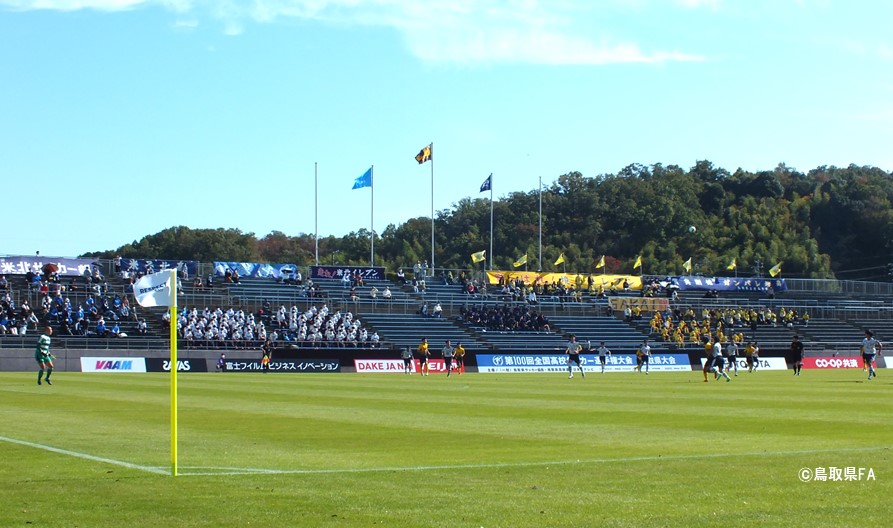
(732, 265)
(601, 263)
(687, 265)
(520, 262)
(480, 256)
(560, 259)
(427, 153)
(775, 270)
(638, 263)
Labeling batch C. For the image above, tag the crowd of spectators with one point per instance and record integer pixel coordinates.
(505, 318)
(727, 324)
(232, 328)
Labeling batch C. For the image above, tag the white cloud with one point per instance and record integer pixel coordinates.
(455, 31)
(72, 5)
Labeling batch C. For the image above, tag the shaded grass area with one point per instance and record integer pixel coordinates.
(473, 450)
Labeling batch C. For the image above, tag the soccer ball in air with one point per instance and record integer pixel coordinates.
(692, 229)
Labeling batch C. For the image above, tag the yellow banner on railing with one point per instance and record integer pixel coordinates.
(572, 280)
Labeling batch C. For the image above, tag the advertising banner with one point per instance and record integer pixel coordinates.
(19, 265)
(337, 272)
(183, 365)
(113, 364)
(378, 366)
(286, 365)
(766, 363)
(590, 362)
(833, 362)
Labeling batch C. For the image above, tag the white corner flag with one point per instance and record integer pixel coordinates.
(155, 289)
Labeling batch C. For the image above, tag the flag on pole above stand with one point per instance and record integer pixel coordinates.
(601, 263)
(426, 154)
(638, 263)
(560, 259)
(732, 265)
(520, 262)
(488, 183)
(363, 181)
(480, 256)
(687, 265)
(155, 289)
(775, 270)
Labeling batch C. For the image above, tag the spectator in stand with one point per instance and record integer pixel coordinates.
(386, 294)
(142, 328)
(117, 264)
(438, 310)
(4, 284)
(401, 276)
(101, 329)
(197, 283)
(373, 293)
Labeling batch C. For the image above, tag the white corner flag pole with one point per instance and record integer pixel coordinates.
(173, 325)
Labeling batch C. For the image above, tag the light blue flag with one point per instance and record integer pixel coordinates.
(364, 181)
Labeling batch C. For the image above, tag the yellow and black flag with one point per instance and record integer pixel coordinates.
(520, 262)
(426, 154)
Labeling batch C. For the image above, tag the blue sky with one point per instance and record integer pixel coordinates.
(121, 118)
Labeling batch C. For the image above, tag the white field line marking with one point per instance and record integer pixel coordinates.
(249, 471)
(85, 456)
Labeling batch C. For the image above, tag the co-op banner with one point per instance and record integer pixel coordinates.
(337, 272)
(558, 363)
(285, 365)
(19, 265)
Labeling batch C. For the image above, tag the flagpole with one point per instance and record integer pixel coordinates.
(316, 207)
(372, 213)
(173, 336)
(431, 146)
(491, 221)
(541, 224)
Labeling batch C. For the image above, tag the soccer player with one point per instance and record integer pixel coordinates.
(267, 354)
(718, 360)
(459, 352)
(797, 353)
(708, 353)
(644, 356)
(732, 353)
(573, 356)
(407, 360)
(870, 348)
(756, 356)
(603, 352)
(424, 354)
(43, 356)
(447, 352)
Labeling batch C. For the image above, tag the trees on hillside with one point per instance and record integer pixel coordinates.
(821, 223)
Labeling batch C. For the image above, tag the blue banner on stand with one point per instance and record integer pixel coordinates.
(727, 284)
(146, 266)
(255, 269)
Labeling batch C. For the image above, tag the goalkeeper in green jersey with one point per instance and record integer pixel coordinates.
(43, 356)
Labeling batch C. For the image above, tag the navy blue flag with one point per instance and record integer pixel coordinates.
(363, 181)
(488, 183)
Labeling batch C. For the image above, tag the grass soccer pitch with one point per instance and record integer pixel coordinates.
(477, 450)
